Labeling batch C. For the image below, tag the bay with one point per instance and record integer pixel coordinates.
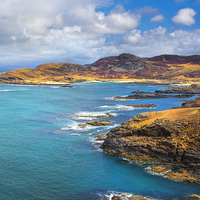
(45, 155)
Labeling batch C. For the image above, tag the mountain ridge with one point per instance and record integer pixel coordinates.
(125, 67)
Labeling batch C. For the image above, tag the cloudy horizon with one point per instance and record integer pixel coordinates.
(83, 31)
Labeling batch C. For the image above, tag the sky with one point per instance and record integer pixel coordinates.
(33, 32)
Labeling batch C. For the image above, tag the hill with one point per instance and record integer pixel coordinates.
(125, 67)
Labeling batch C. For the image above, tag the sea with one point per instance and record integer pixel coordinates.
(45, 155)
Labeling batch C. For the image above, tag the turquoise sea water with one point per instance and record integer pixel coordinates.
(45, 156)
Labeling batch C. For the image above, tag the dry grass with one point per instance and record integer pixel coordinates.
(180, 114)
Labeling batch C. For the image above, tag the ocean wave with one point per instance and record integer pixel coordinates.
(78, 134)
(123, 195)
(118, 107)
(5, 90)
(77, 127)
(55, 87)
(86, 115)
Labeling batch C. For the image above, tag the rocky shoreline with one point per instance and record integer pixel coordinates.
(169, 137)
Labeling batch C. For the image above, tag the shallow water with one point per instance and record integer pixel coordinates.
(45, 155)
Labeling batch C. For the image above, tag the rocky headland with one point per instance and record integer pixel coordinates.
(170, 137)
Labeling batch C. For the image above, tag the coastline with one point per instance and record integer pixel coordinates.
(182, 83)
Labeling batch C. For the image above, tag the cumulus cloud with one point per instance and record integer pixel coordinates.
(157, 18)
(185, 17)
(158, 41)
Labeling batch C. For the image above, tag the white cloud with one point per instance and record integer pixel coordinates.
(158, 41)
(157, 18)
(185, 17)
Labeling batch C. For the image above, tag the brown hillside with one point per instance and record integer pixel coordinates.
(127, 67)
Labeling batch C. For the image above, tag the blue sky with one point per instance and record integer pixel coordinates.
(82, 31)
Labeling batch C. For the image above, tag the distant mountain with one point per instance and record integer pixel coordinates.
(123, 67)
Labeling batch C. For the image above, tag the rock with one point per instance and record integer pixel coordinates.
(82, 125)
(143, 106)
(158, 169)
(189, 104)
(194, 196)
(99, 123)
(183, 90)
(66, 86)
(151, 96)
(101, 137)
(124, 196)
(139, 92)
(182, 174)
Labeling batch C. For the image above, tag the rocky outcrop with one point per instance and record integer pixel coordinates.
(122, 63)
(151, 96)
(189, 104)
(142, 106)
(99, 123)
(183, 90)
(124, 196)
(171, 136)
(194, 196)
(174, 173)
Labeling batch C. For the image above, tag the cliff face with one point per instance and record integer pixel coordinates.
(122, 67)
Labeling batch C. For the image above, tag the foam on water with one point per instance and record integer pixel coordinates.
(85, 115)
(75, 126)
(118, 107)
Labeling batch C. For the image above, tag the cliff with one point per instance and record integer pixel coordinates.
(127, 67)
(171, 136)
